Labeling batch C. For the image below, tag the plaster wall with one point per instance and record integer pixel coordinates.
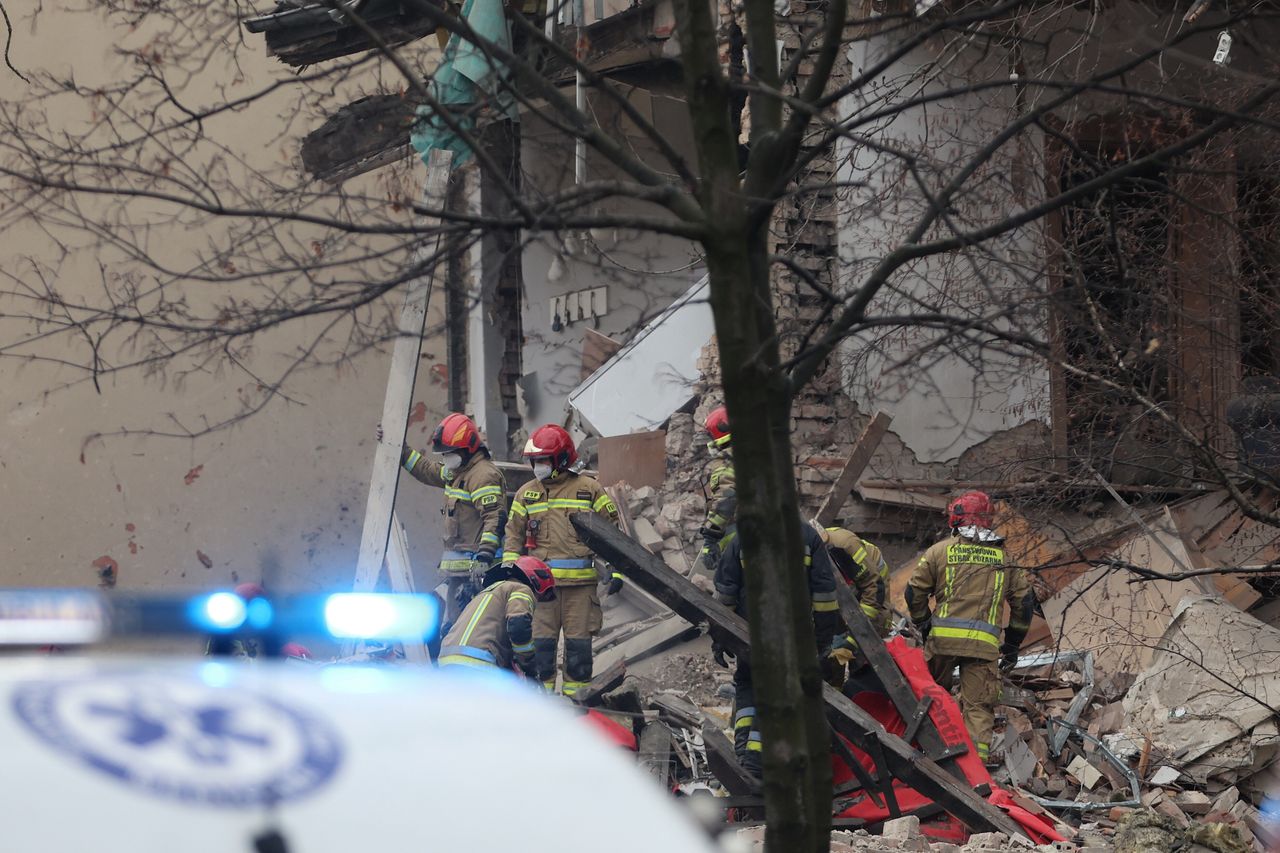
(137, 469)
(643, 272)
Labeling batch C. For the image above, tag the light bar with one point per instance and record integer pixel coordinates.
(36, 617)
(381, 616)
(217, 613)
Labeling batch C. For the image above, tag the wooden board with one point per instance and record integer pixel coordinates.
(596, 350)
(399, 396)
(400, 575)
(859, 459)
(638, 459)
(912, 498)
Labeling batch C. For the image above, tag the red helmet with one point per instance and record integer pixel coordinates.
(250, 591)
(295, 650)
(456, 432)
(971, 508)
(718, 426)
(535, 573)
(551, 440)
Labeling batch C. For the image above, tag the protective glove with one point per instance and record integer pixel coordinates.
(924, 626)
(844, 650)
(615, 584)
(1008, 656)
(719, 654)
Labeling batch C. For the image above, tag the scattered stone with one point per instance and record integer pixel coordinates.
(1194, 802)
(1227, 800)
(987, 841)
(1165, 775)
(902, 828)
(645, 534)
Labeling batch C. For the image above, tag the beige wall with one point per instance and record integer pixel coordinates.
(281, 493)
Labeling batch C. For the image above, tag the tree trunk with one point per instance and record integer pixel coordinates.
(788, 685)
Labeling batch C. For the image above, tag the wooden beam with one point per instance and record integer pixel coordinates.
(724, 764)
(857, 462)
(399, 397)
(900, 759)
(915, 769)
(400, 575)
(871, 646)
(655, 752)
(602, 684)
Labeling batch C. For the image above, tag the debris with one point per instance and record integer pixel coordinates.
(853, 722)
(1085, 772)
(646, 535)
(1021, 761)
(1208, 716)
(205, 559)
(1165, 775)
(193, 475)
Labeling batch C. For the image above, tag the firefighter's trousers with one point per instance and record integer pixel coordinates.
(746, 732)
(979, 692)
(576, 612)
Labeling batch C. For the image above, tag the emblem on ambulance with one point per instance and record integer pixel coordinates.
(183, 740)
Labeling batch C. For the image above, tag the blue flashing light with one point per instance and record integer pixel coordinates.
(381, 616)
(259, 614)
(218, 613)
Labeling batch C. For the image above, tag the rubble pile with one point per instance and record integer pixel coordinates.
(1191, 744)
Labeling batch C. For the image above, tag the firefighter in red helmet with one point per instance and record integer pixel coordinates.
(969, 580)
(539, 526)
(718, 529)
(474, 503)
(496, 628)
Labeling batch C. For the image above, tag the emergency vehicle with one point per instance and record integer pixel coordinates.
(137, 754)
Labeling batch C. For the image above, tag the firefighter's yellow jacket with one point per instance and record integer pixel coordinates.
(865, 569)
(540, 513)
(473, 505)
(970, 581)
(495, 629)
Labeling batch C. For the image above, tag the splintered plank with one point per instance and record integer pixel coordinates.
(859, 459)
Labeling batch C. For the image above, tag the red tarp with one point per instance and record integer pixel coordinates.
(945, 714)
(615, 732)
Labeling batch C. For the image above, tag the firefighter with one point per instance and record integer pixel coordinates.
(863, 567)
(539, 526)
(496, 628)
(717, 528)
(969, 579)
(730, 591)
(474, 499)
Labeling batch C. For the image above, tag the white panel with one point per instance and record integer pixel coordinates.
(653, 375)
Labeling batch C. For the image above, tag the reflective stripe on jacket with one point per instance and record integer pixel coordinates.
(545, 508)
(474, 499)
(969, 582)
(865, 569)
(730, 582)
(480, 634)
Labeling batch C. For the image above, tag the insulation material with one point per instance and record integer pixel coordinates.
(1207, 697)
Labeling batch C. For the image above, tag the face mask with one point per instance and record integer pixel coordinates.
(542, 471)
(452, 461)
